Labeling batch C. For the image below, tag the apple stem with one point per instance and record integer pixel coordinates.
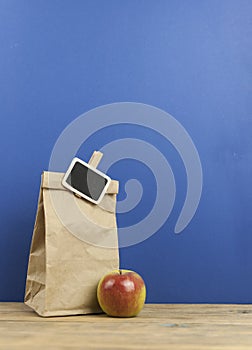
(120, 272)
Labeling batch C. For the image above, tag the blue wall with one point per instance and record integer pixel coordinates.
(192, 59)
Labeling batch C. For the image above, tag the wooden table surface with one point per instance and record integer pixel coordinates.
(158, 326)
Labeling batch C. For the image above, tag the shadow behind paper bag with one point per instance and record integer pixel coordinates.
(74, 244)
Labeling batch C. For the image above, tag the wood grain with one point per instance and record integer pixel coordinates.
(158, 326)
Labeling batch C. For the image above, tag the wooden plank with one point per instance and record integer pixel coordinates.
(158, 326)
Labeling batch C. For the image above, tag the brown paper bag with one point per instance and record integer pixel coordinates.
(74, 244)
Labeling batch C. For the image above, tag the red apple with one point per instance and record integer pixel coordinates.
(121, 293)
